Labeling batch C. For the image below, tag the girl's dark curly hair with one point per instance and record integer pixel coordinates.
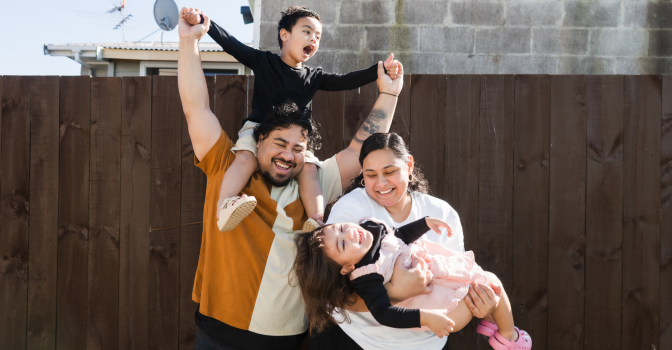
(393, 142)
(291, 15)
(286, 115)
(319, 277)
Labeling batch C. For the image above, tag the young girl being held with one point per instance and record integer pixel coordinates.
(335, 260)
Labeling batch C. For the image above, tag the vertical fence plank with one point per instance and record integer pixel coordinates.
(495, 176)
(104, 206)
(666, 218)
(191, 229)
(358, 105)
(249, 87)
(328, 111)
(567, 205)
(529, 296)
(14, 196)
(43, 201)
(231, 102)
(73, 212)
(428, 129)
(463, 94)
(641, 212)
(401, 123)
(164, 237)
(136, 140)
(604, 211)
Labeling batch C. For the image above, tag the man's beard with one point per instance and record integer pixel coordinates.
(276, 182)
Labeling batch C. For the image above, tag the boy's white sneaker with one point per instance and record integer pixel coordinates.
(310, 225)
(233, 210)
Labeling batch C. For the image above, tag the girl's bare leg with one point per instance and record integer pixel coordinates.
(502, 316)
(461, 316)
(311, 192)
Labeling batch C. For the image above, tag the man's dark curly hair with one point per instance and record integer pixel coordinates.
(291, 15)
(286, 115)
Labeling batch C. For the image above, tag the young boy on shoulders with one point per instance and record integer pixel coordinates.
(279, 78)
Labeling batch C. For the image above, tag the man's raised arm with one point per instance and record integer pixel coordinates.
(379, 120)
(204, 128)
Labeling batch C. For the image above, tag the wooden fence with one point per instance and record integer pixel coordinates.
(563, 185)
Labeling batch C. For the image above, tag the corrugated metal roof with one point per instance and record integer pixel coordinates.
(171, 46)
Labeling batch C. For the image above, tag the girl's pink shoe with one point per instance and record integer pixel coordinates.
(524, 342)
(486, 328)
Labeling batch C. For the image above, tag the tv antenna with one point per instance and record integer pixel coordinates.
(124, 18)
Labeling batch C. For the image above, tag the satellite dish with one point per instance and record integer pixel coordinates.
(166, 14)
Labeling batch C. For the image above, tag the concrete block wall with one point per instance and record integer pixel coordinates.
(488, 37)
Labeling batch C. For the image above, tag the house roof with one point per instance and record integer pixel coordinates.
(166, 46)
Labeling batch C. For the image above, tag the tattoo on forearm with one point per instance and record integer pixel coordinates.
(371, 125)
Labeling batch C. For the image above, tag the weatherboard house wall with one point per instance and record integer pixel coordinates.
(488, 37)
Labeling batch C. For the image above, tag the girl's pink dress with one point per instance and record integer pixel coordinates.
(453, 271)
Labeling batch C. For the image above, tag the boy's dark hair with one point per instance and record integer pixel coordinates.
(291, 15)
(286, 115)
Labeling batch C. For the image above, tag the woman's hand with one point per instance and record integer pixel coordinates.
(481, 300)
(388, 85)
(437, 321)
(436, 224)
(407, 283)
(189, 31)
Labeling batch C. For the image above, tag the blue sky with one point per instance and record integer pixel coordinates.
(28, 25)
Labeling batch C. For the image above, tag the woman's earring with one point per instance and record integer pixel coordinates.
(410, 177)
(362, 182)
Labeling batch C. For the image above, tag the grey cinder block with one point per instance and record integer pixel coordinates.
(648, 15)
(527, 64)
(545, 13)
(326, 60)
(586, 65)
(269, 36)
(460, 63)
(350, 61)
(271, 10)
(443, 39)
(422, 63)
(660, 43)
(592, 13)
(618, 42)
(477, 13)
(560, 41)
(421, 12)
(643, 65)
(342, 38)
(366, 12)
(503, 40)
(392, 38)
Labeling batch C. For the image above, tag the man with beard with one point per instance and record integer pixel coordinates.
(242, 280)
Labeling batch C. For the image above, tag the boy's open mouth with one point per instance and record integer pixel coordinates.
(308, 49)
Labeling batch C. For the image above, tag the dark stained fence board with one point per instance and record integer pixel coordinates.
(358, 104)
(529, 296)
(641, 212)
(165, 191)
(401, 124)
(666, 217)
(428, 129)
(136, 141)
(73, 212)
(231, 103)
(249, 82)
(495, 179)
(44, 203)
(604, 211)
(14, 196)
(191, 229)
(463, 94)
(104, 206)
(567, 213)
(328, 112)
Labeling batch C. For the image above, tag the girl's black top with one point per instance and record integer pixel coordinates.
(370, 287)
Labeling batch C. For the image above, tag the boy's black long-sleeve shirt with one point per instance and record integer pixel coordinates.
(371, 288)
(275, 82)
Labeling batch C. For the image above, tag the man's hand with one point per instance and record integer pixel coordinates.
(386, 83)
(407, 283)
(482, 300)
(189, 31)
(437, 321)
(392, 66)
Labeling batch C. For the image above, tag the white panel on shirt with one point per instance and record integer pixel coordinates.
(363, 328)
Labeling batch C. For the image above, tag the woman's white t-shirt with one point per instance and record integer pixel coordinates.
(363, 328)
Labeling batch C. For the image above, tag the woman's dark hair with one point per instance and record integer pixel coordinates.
(393, 142)
(291, 15)
(319, 277)
(286, 115)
